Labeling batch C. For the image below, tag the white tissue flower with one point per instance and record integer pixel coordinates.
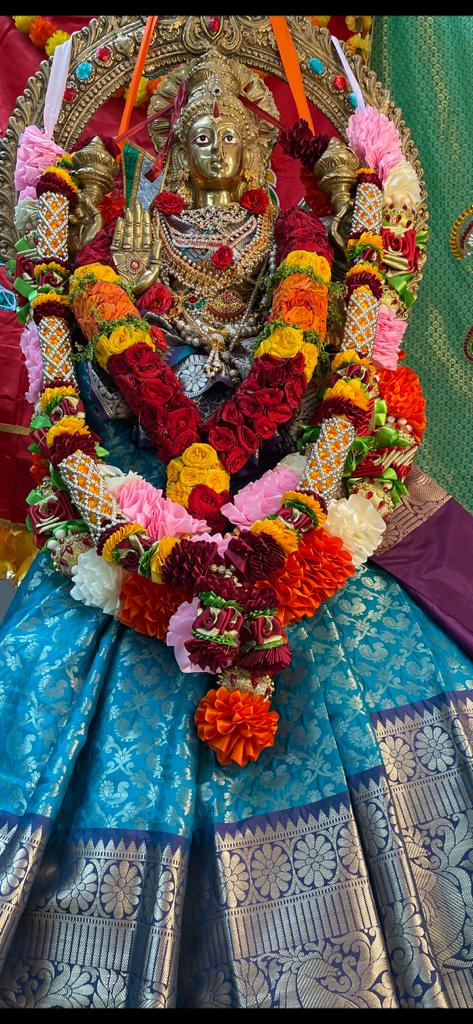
(357, 523)
(402, 185)
(96, 582)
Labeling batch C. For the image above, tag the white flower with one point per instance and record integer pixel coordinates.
(97, 582)
(26, 216)
(358, 524)
(402, 185)
(294, 461)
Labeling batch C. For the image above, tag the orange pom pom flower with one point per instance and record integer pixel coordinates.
(320, 566)
(147, 606)
(402, 393)
(237, 726)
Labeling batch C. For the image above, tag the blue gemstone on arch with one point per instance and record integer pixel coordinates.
(352, 99)
(316, 65)
(84, 70)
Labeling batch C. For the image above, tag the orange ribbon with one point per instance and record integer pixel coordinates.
(292, 68)
(135, 81)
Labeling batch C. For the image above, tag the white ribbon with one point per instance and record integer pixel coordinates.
(56, 86)
(349, 73)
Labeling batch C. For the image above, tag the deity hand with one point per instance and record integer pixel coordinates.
(135, 252)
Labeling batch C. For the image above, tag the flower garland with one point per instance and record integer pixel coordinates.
(221, 602)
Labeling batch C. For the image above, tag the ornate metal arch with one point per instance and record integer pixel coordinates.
(250, 38)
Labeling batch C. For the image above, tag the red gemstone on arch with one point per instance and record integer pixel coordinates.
(339, 83)
(103, 53)
(213, 24)
(70, 94)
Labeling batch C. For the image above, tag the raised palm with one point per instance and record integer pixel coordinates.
(135, 248)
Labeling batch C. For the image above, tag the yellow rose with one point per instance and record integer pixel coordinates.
(99, 270)
(179, 494)
(311, 355)
(218, 480)
(164, 548)
(191, 477)
(68, 425)
(308, 261)
(284, 342)
(199, 456)
(174, 471)
(121, 338)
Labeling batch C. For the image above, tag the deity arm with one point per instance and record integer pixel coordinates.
(335, 171)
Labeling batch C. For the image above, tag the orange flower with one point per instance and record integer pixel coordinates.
(402, 393)
(299, 301)
(237, 726)
(314, 572)
(41, 30)
(99, 302)
(147, 606)
(38, 469)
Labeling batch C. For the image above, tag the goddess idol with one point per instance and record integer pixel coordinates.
(235, 754)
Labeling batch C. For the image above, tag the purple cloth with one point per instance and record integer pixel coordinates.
(434, 563)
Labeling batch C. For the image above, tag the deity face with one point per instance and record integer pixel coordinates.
(215, 153)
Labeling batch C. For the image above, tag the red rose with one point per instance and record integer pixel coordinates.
(158, 338)
(222, 257)
(205, 503)
(182, 419)
(247, 439)
(169, 203)
(221, 438)
(404, 244)
(264, 426)
(255, 200)
(231, 414)
(157, 299)
(249, 405)
(155, 393)
(234, 460)
(140, 360)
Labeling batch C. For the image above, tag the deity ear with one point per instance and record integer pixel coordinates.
(179, 165)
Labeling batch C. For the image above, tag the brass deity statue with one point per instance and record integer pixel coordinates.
(219, 148)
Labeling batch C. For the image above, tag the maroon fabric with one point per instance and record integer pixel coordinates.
(434, 563)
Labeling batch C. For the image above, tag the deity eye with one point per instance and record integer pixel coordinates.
(229, 137)
(202, 139)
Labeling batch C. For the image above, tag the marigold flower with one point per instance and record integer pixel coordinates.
(237, 726)
(61, 392)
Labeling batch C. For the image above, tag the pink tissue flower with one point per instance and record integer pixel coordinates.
(215, 538)
(160, 516)
(375, 140)
(180, 631)
(261, 498)
(30, 346)
(35, 153)
(388, 338)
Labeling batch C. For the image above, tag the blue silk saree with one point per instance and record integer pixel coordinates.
(135, 871)
(336, 871)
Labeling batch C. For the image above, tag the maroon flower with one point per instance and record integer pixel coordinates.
(67, 444)
(210, 656)
(157, 299)
(255, 200)
(169, 203)
(187, 561)
(254, 556)
(222, 257)
(300, 143)
(155, 394)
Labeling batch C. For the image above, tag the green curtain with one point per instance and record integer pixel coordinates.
(425, 61)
